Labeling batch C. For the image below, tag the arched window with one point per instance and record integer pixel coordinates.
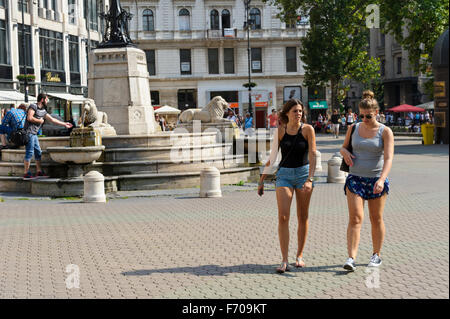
(255, 18)
(214, 20)
(148, 20)
(184, 20)
(226, 20)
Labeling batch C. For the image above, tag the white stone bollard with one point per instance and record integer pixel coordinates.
(210, 182)
(318, 161)
(94, 188)
(335, 175)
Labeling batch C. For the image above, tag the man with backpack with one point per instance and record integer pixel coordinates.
(36, 115)
(14, 120)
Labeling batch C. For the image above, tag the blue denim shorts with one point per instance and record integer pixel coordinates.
(33, 147)
(363, 186)
(292, 177)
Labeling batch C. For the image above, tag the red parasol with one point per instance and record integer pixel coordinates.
(406, 108)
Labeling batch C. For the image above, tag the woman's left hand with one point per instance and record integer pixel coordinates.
(378, 187)
(307, 187)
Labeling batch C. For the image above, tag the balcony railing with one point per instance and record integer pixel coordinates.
(222, 34)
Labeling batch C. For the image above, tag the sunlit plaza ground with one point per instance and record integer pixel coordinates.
(172, 244)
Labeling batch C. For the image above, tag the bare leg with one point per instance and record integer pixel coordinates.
(3, 139)
(26, 165)
(284, 199)
(303, 199)
(38, 166)
(356, 216)
(376, 209)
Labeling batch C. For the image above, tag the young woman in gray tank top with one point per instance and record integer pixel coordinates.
(370, 163)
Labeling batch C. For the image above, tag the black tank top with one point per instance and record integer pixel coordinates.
(299, 154)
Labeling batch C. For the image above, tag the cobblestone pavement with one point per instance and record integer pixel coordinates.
(180, 246)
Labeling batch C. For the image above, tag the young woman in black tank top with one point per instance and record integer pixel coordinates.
(295, 175)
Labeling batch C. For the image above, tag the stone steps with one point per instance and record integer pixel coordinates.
(74, 187)
(128, 167)
(160, 139)
(178, 153)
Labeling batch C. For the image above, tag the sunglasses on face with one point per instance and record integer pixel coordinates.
(368, 116)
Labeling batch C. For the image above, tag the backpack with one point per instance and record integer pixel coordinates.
(19, 137)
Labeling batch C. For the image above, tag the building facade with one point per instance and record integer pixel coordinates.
(53, 46)
(197, 49)
(401, 84)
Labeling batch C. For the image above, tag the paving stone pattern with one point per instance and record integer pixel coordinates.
(182, 246)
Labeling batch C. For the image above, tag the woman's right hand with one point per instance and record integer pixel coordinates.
(348, 157)
(260, 190)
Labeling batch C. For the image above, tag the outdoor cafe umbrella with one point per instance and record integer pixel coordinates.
(427, 105)
(405, 108)
(166, 109)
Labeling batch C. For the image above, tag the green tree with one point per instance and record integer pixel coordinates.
(416, 25)
(336, 45)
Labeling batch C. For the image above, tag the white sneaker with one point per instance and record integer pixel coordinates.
(350, 265)
(375, 261)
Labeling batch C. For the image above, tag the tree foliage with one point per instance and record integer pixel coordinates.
(337, 43)
(413, 22)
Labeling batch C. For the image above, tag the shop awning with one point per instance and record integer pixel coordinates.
(68, 97)
(318, 105)
(14, 97)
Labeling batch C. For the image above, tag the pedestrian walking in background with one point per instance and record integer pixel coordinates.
(350, 118)
(295, 175)
(320, 119)
(248, 121)
(382, 118)
(335, 123)
(272, 119)
(427, 117)
(370, 163)
(343, 121)
(36, 115)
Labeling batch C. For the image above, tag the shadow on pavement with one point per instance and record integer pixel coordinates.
(215, 270)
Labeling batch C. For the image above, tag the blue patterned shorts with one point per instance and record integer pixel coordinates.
(363, 186)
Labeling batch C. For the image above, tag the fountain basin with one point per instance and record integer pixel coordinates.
(75, 155)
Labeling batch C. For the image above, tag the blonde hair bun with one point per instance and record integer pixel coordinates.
(368, 94)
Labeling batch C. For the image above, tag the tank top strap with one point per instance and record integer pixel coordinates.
(381, 129)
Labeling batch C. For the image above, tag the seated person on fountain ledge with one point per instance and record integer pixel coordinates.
(36, 115)
(14, 119)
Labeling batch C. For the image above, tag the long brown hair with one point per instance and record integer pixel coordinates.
(288, 106)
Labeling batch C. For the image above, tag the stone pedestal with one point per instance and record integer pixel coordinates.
(85, 136)
(118, 82)
(335, 175)
(318, 161)
(94, 188)
(210, 182)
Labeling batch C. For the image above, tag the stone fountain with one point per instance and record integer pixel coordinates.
(85, 144)
(138, 157)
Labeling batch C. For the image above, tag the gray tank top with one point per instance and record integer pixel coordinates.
(369, 154)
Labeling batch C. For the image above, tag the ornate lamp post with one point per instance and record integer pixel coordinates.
(24, 52)
(247, 25)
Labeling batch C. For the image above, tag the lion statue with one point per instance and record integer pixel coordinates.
(212, 113)
(90, 116)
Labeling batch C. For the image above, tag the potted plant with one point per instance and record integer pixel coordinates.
(251, 84)
(30, 77)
